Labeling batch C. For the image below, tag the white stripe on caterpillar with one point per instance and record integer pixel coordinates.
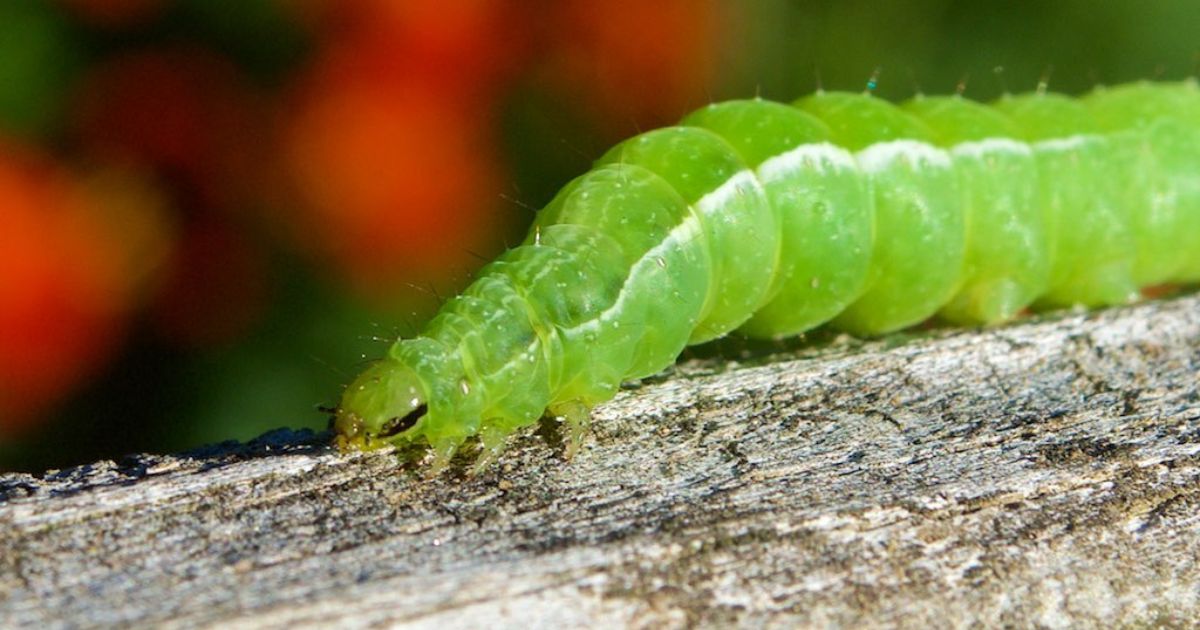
(820, 156)
(982, 148)
(688, 229)
(881, 155)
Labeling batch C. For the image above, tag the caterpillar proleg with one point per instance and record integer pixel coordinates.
(771, 219)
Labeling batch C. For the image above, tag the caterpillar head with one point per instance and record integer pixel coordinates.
(384, 402)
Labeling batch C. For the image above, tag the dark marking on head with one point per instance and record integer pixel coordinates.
(401, 424)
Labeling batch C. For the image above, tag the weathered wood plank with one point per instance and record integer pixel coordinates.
(1042, 474)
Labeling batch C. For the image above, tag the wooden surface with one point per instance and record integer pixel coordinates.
(1044, 474)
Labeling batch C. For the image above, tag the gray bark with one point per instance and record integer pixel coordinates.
(1043, 474)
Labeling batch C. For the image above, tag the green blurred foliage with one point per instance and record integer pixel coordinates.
(264, 40)
(791, 46)
(38, 60)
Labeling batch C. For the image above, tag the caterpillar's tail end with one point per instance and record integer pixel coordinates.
(384, 402)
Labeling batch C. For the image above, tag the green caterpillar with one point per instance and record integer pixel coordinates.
(773, 219)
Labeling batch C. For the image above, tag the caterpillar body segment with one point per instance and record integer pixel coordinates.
(1006, 262)
(1162, 121)
(1091, 241)
(920, 226)
(740, 228)
(839, 209)
(822, 202)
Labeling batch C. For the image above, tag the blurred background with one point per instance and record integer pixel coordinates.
(212, 211)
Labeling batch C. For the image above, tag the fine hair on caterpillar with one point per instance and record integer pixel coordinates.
(771, 219)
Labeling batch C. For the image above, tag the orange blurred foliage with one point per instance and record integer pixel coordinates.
(392, 141)
(466, 49)
(393, 138)
(381, 155)
(637, 64)
(66, 281)
(400, 183)
(215, 285)
(186, 113)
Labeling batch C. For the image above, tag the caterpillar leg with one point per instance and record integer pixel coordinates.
(443, 451)
(493, 438)
(577, 419)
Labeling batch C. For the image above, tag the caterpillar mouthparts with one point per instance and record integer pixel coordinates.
(383, 401)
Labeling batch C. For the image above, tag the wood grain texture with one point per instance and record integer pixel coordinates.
(1044, 474)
